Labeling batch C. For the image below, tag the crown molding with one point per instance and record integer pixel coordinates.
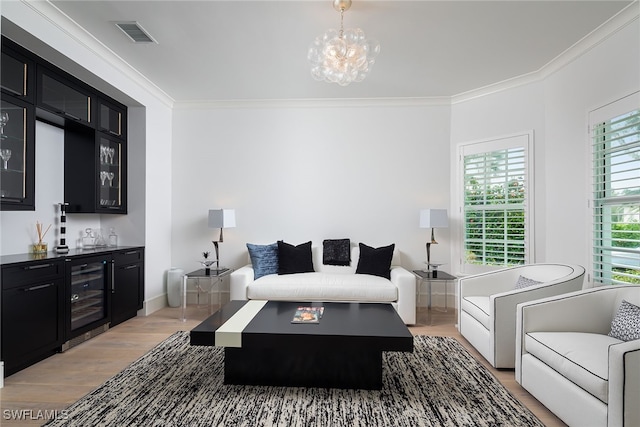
(73, 30)
(622, 19)
(313, 103)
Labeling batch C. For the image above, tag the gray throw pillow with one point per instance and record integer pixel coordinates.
(525, 282)
(264, 259)
(625, 325)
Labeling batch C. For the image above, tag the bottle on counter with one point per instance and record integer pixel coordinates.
(113, 238)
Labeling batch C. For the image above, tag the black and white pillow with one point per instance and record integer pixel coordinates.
(525, 282)
(625, 325)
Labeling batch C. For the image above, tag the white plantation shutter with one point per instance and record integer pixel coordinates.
(615, 132)
(496, 203)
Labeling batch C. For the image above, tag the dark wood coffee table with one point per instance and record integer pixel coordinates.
(344, 350)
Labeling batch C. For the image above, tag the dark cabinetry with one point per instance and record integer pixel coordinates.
(17, 154)
(32, 312)
(95, 178)
(127, 291)
(64, 96)
(55, 303)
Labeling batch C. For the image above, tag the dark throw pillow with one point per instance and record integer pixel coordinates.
(336, 252)
(625, 325)
(294, 259)
(264, 259)
(375, 261)
(525, 282)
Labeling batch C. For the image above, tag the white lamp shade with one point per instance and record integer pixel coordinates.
(222, 218)
(434, 218)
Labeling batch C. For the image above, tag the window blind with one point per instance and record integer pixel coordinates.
(495, 207)
(616, 198)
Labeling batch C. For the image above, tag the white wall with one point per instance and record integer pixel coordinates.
(308, 173)
(556, 108)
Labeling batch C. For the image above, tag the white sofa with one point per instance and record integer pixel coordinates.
(332, 283)
(566, 360)
(487, 305)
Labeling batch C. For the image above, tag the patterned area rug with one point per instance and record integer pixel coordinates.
(175, 384)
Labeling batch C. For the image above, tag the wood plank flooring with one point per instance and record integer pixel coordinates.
(31, 397)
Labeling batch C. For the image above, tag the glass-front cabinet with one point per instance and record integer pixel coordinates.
(111, 118)
(17, 73)
(17, 154)
(63, 97)
(110, 173)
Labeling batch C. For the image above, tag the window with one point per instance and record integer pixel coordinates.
(496, 203)
(615, 131)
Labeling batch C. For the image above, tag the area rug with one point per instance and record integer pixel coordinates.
(175, 384)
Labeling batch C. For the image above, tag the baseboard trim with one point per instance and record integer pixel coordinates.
(154, 304)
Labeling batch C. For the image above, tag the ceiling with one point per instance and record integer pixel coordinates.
(255, 50)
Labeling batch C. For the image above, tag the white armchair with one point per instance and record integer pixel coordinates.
(487, 305)
(566, 360)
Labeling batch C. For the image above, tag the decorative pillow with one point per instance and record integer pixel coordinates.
(625, 325)
(375, 261)
(294, 259)
(525, 282)
(336, 252)
(264, 259)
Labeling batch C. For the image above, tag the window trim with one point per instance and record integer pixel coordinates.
(523, 139)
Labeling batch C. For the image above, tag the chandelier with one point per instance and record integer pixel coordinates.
(343, 56)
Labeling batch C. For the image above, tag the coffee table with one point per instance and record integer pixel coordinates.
(343, 350)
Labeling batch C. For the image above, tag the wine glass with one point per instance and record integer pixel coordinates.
(110, 176)
(5, 153)
(4, 119)
(103, 177)
(112, 152)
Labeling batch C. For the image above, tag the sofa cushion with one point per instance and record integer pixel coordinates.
(336, 252)
(294, 259)
(323, 287)
(478, 308)
(625, 325)
(582, 358)
(264, 259)
(375, 261)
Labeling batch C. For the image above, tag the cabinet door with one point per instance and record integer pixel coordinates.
(125, 297)
(17, 73)
(111, 175)
(63, 97)
(32, 320)
(17, 155)
(111, 118)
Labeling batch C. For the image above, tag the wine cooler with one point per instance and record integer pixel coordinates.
(88, 282)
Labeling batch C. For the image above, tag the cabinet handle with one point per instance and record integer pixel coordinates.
(35, 288)
(131, 252)
(129, 267)
(35, 267)
(69, 115)
(113, 277)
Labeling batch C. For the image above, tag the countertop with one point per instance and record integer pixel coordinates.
(52, 255)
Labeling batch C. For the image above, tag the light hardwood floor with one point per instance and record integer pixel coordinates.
(31, 396)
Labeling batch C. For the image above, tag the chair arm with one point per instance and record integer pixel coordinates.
(240, 279)
(486, 284)
(624, 384)
(405, 282)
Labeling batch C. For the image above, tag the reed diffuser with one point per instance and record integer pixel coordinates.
(41, 246)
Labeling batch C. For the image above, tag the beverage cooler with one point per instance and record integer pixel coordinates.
(88, 283)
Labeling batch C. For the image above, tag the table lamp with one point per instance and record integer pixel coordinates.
(433, 218)
(221, 218)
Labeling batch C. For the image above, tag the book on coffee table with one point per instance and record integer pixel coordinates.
(308, 315)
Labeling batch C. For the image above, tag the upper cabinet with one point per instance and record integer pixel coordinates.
(95, 126)
(17, 154)
(17, 73)
(64, 97)
(112, 118)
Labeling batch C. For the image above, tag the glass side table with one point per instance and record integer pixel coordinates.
(434, 276)
(215, 277)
